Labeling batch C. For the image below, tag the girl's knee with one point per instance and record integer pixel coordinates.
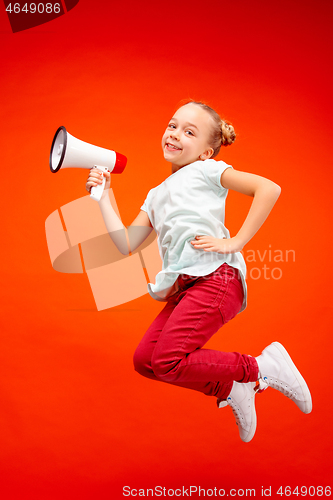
(141, 363)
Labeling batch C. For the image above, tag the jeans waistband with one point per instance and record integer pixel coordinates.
(223, 270)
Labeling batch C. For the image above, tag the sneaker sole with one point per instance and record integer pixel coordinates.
(253, 428)
(300, 379)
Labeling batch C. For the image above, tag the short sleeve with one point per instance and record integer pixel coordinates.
(144, 206)
(213, 170)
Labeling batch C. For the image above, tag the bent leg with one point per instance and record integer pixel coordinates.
(203, 308)
(144, 352)
(142, 358)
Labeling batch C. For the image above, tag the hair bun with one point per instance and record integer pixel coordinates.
(228, 133)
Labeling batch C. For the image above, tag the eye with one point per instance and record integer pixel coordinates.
(189, 132)
(171, 125)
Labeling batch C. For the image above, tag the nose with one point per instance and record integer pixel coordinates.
(174, 135)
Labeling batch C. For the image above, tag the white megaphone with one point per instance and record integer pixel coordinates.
(69, 152)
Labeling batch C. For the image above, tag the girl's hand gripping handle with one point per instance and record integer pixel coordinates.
(98, 182)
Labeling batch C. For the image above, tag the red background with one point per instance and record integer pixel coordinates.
(76, 421)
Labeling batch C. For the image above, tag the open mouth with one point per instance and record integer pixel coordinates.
(171, 147)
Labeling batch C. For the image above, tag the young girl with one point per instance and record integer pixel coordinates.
(203, 274)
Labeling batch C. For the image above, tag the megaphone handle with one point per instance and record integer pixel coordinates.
(97, 191)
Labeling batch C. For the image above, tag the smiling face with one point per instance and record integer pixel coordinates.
(187, 136)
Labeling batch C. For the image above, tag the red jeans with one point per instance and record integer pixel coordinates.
(171, 350)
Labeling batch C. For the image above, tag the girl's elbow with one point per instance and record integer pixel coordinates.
(124, 251)
(277, 190)
(274, 190)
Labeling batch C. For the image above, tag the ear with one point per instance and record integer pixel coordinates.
(206, 154)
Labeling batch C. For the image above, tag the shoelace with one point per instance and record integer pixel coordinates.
(237, 413)
(280, 386)
(260, 387)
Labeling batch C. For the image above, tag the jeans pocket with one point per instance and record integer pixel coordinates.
(231, 300)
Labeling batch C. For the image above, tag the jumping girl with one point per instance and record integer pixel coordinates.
(202, 279)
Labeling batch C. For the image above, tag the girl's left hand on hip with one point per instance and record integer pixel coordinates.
(211, 244)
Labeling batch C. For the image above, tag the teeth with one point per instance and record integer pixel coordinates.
(172, 146)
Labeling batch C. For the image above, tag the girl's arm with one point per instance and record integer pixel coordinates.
(265, 194)
(126, 240)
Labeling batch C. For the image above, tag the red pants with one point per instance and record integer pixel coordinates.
(171, 350)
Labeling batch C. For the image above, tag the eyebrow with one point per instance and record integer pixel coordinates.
(187, 124)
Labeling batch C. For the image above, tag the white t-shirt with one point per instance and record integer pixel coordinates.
(190, 202)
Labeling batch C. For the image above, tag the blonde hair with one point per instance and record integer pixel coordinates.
(222, 134)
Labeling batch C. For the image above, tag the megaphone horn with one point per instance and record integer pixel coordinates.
(69, 152)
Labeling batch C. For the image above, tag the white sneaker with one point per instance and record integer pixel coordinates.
(241, 401)
(277, 369)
